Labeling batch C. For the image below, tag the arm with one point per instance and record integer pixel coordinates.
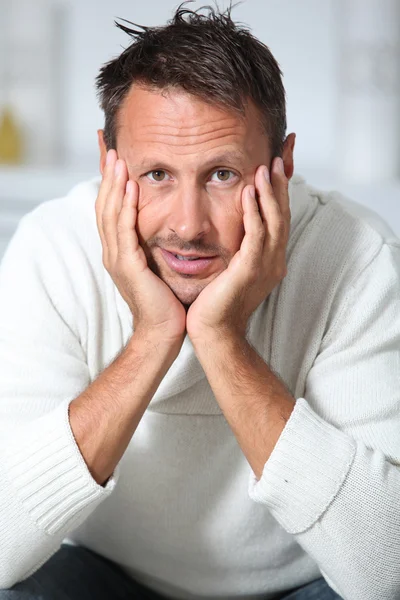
(47, 489)
(256, 404)
(331, 475)
(105, 416)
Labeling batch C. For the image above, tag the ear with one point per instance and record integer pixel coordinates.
(287, 154)
(103, 149)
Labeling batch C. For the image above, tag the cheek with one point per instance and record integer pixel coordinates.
(231, 229)
(148, 216)
(148, 223)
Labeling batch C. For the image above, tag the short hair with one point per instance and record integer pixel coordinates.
(206, 55)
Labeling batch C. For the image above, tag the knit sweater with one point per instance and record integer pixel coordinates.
(183, 512)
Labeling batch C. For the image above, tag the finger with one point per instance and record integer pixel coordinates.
(263, 188)
(253, 240)
(127, 239)
(112, 208)
(278, 239)
(280, 184)
(273, 219)
(104, 189)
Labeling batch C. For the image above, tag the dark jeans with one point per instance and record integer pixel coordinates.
(76, 573)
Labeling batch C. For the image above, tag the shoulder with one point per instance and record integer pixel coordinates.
(59, 239)
(68, 221)
(335, 243)
(75, 209)
(337, 236)
(378, 227)
(345, 212)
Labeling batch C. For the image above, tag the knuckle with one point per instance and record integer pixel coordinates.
(115, 185)
(104, 217)
(253, 267)
(285, 182)
(112, 195)
(99, 209)
(123, 258)
(119, 267)
(253, 276)
(281, 226)
(120, 229)
(260, 232)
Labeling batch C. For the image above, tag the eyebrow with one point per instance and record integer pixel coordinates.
(233, 156)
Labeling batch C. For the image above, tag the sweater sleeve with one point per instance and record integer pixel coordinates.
(46, 489)
(333, 478)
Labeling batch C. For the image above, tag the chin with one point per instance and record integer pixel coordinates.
(186, 292)
(185, 287)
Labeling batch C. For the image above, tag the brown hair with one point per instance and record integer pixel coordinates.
(206, 55)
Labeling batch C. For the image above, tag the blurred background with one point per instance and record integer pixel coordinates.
(340, 60)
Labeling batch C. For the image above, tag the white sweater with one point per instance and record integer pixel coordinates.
(183, 512)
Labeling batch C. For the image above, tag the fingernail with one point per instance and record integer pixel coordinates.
(266, 174)
(108, 160)
(252, 191)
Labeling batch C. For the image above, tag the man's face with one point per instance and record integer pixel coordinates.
(191, 161)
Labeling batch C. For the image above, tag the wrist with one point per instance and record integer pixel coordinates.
(161, 342)
(214, 336)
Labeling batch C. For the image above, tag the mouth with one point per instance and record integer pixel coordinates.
(188, 264)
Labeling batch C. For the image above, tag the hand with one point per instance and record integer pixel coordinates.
(154, 307)
(258, 266)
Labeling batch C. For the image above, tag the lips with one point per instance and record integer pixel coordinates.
(187, 267)
(189, 255)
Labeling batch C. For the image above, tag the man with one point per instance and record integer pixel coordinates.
(200, 353)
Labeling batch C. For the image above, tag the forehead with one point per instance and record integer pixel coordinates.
(182, 123)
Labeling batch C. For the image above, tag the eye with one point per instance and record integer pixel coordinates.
(159, 175)
(223, 175)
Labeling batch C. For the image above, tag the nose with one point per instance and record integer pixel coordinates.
(189, 215)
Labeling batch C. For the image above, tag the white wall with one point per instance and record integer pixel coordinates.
(300, 34)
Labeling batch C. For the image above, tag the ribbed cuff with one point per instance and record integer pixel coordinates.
(44, 465)
(305, 470)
